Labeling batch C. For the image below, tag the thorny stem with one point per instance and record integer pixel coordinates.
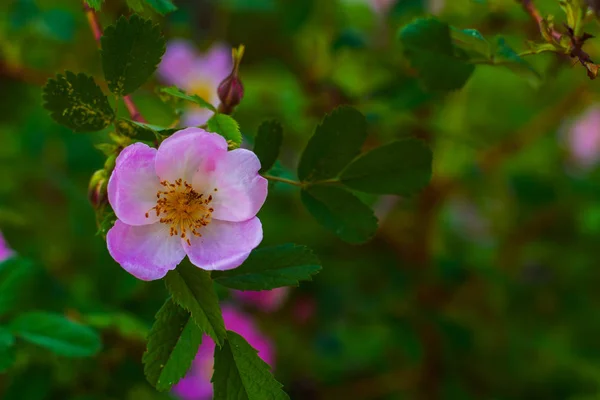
(96, 29)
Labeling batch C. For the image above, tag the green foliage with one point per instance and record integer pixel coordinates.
(56, 333)
(192, 289)
(135, 5)
(162, 6)
(227, 127)
(341, 212)
(95, 4)
(267, 144)
(76, 102)
(126, 325)
(506, 56)
(131, 51)
(401, 167)
(7, 349)
(428, 46)
(337, 140)
(271, 267)
(176, 92)
(172, 346)
(240, 374)
(15, 275)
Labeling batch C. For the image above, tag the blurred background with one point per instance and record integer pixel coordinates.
(483, 286)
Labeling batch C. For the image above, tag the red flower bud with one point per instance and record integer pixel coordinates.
(231, 90)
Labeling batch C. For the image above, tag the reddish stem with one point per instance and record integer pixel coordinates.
(529, 7)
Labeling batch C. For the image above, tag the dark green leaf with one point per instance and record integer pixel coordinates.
(172, 346)
(227, 127)
(95, 4)
(341, 212)
(506, 56)
(57, 334)
(471, 41)
(162, 6)
(194, 98)
(428, 46)
(192, 289)
(271, 267)
(76, 102)
(267, 144)
(127, 325)
(337, 140)
(7, 349)
(240, 374)
(15, 274)
(401, 167)
(131, 50)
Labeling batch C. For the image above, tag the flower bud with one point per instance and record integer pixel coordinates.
(231, 90)
(97, 193)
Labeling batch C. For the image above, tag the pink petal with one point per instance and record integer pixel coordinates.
(177, 64)
(196, 116)
(241, 190)
(147, 252)
(5, 251)
(224, 245)
(187, 151)
(133, 185)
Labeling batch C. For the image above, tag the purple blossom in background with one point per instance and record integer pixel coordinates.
(265, 300)
(5, 251)
(196, 384)
(196, 73)
(583, 138)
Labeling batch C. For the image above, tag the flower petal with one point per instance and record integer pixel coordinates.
(147, 252)
(187, 151)
(241, 190)
(224, 245)
(196, 116)
(177, 64)
(133, 185)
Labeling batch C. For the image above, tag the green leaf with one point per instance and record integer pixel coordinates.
(127, 325)
(162, 6)
(341, 212)
(15, 274)
(271, 267)
(135, 5)
(227, 127)
(401, 167)
(428, 46)
(194, 98)
(57, 334)
(173, 343)
(7, 349)
(337, 140)
(506, 56)
(76, 102)
(192, 288)
(240, 374)
(131, 50)
(95, 4)
(472, 41)
(267, 144)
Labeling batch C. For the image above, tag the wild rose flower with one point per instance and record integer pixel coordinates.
(5, 251)
(190, 197)
(196, 384)
(265, 300)
(583, 138)
(196, 73)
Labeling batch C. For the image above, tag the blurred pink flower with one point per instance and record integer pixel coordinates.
(583, 138)
(5, 251)
(265, 300)
(196, 73)
(191, 196)
(382, 6)
(196, 384)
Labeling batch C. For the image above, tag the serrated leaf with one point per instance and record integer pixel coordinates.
(428, 46)
(192, 289)
(76, 102)
(401, 167)
(95, 4)
(131, 51)
(194, 98)
(15, 274)
(267, 144)
(337, 140)
(240, 374)
(227, 127)
(341, 212)
(173, 343)
(271, 267)
(56, 333)
(162, 6)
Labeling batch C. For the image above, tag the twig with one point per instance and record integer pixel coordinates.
(529, 7)
(96, 29)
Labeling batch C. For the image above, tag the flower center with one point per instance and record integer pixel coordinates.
(183, 208)
(202, 89)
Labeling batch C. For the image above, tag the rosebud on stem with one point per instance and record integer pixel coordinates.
(231, 90)
(97, 193)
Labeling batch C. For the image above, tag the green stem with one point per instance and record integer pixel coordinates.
(284, 180)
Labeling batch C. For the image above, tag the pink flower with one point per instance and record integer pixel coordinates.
(583, 138)
(5, 251)
(183, 66)
(196, 384)
(190, 197)
(265, 300)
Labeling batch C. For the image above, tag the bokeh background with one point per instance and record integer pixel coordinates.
(483, 286)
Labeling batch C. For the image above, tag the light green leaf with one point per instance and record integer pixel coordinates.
(240, 374)
(267, 144)
(131, 51)
(192, 289)
(76, 102)
(227, 127)
(172, 346)
(15, 274)
(56, 333)
(135, 5)
(95, 4)
(162, 6)
(337, 140)
(271, 267)
(194, 98)
(402, 167)
(341, 212)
